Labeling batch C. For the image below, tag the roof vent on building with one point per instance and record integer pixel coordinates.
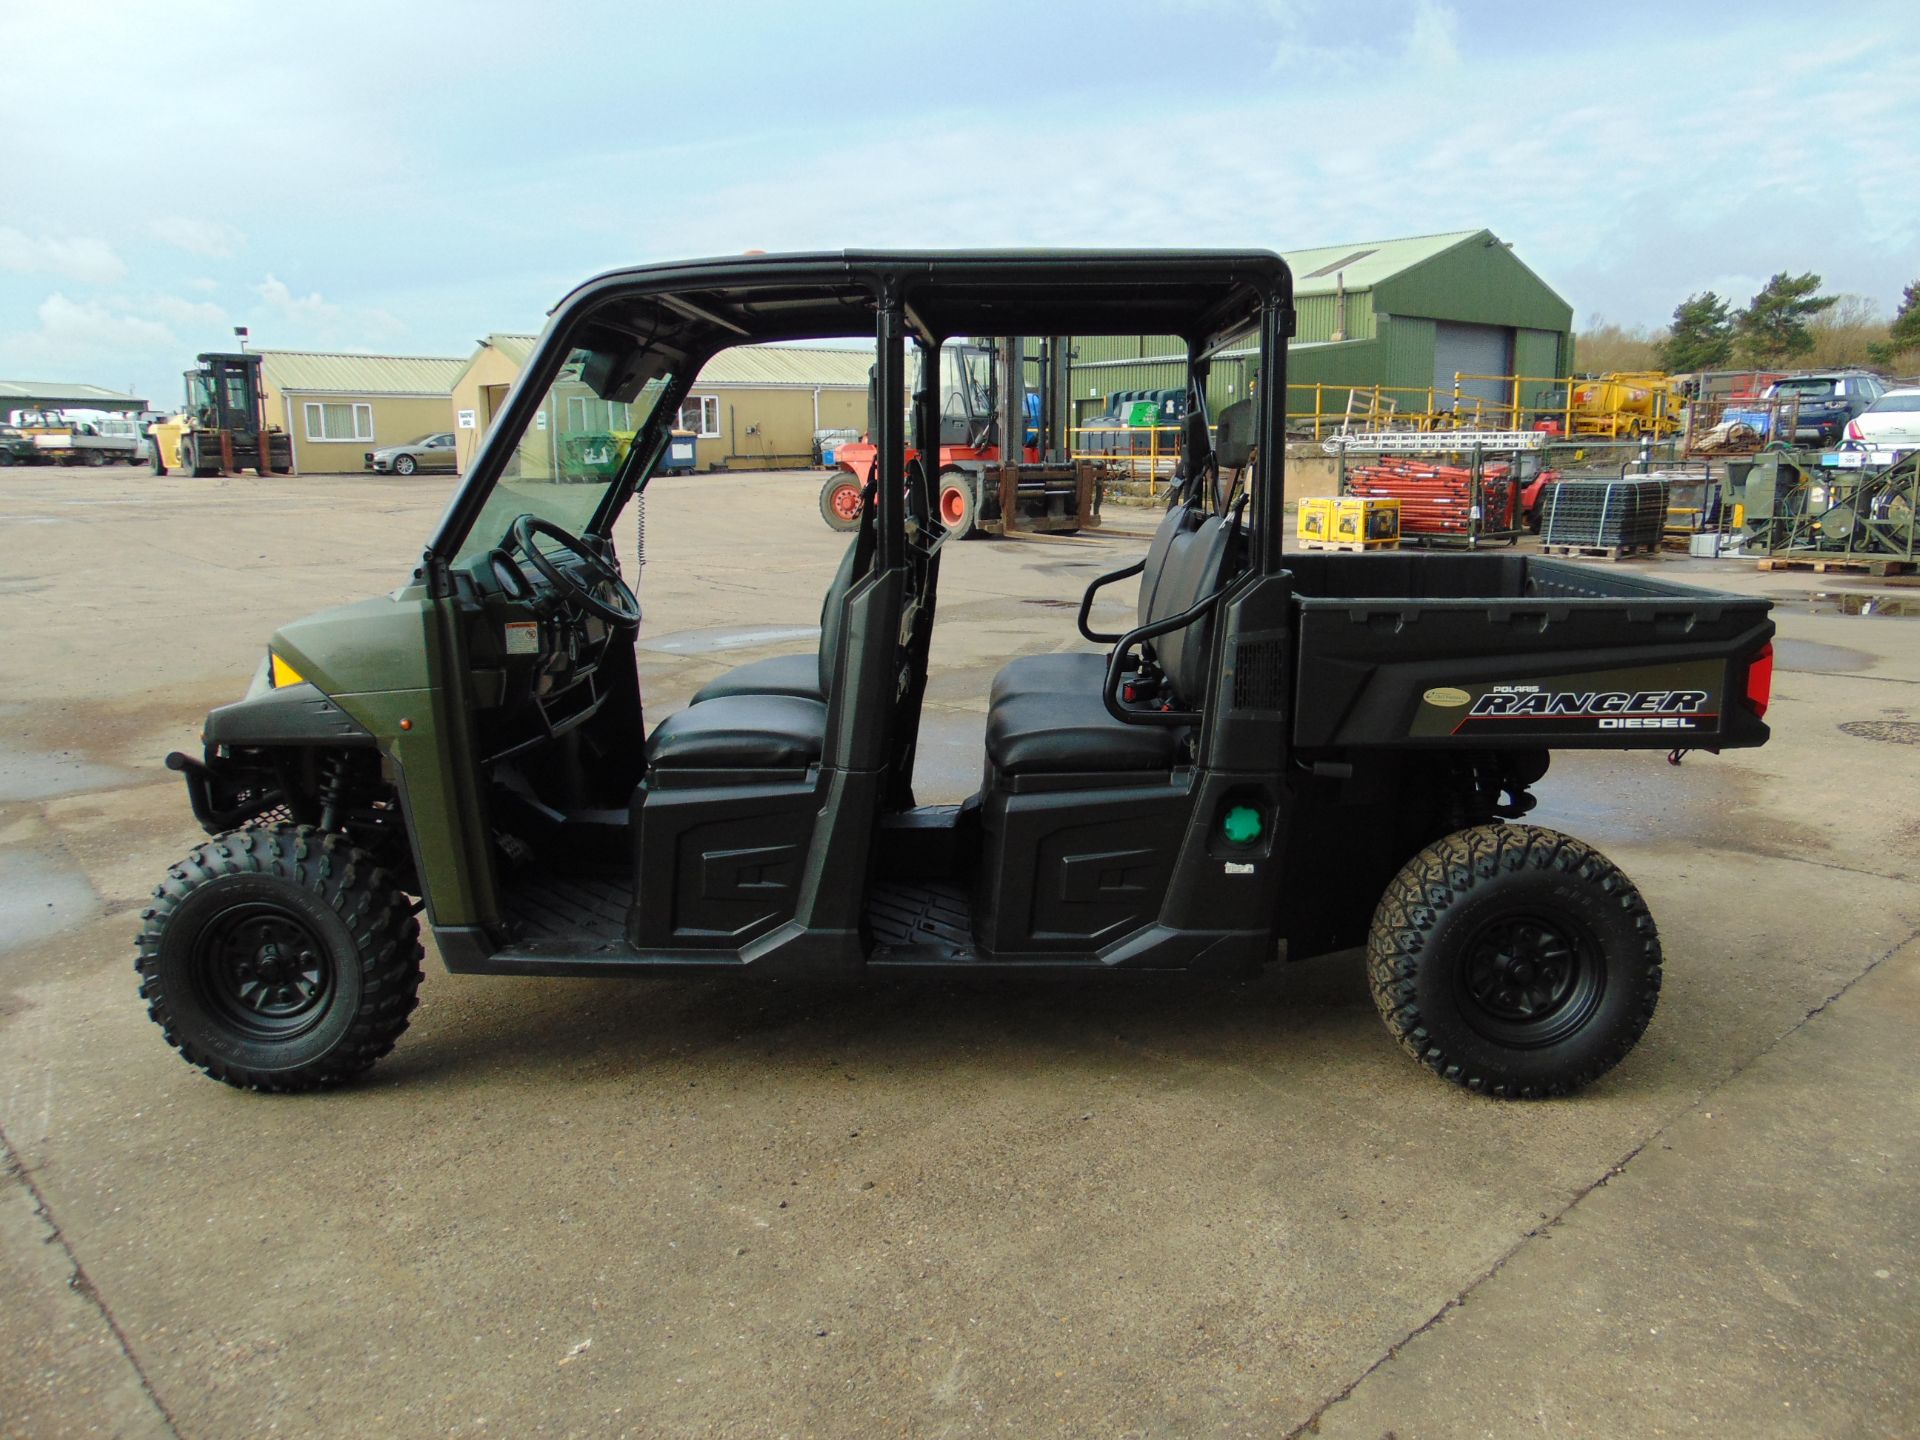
(1340, 264)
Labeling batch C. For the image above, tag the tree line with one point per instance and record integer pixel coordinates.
(1788, 322)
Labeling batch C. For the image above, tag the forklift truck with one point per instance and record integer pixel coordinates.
(977, 491)
(223, 430)
(1315, 751)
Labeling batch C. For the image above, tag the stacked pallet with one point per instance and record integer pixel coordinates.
(1439, 500)
(1603, 517)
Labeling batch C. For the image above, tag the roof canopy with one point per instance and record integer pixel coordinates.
(698, 307)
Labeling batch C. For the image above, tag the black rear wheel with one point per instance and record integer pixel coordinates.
(280, 958)
(1514, 961)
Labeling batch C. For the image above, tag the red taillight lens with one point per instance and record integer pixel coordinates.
(1760, 680)
(1853, 430)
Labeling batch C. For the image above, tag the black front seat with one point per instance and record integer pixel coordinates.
(741, 732)
(787, 674)
(749, 731)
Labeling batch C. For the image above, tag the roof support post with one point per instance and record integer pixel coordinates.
(889, 427)
(1270, 433)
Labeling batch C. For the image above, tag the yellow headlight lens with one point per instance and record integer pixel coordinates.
(283, 674)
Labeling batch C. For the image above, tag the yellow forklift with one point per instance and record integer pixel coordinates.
(223, 429)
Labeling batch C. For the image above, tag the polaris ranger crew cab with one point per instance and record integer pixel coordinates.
(1324, 749)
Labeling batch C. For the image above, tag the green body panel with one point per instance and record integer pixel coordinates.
(373, 645)
(383, 661)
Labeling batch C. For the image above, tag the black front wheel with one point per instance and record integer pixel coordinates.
(405, 465)
(1514, 961)
(279, 958)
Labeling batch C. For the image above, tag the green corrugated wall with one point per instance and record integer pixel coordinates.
(1390, 331)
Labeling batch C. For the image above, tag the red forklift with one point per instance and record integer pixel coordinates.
(1046, 491)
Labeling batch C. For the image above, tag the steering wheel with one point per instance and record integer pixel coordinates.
(622, 609)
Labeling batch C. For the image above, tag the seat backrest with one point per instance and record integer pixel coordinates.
(831, 609)
(1180, 519)
(1198, 564)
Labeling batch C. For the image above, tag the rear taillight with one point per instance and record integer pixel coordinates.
(1760, 680)
(1853, 430)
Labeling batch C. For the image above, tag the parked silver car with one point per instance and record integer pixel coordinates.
(429, 452)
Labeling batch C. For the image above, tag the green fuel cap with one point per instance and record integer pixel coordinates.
(1242, 825)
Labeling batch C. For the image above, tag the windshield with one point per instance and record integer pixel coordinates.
(566, 459)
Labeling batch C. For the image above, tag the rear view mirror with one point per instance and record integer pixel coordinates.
(621, 374)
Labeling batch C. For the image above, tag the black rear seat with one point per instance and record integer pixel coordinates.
(1074, 671)
(1070, 732)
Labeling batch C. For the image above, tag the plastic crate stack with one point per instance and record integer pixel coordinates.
(1436, 499)
(1619, 515)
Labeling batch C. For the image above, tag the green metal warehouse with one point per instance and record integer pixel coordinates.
(1405, 315)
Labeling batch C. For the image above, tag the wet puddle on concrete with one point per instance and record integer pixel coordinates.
(39, 897)
(1860, 602)
(706, 642)
(41, 774)
(1811, 655)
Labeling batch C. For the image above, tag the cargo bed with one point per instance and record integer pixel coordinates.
(1518, 651)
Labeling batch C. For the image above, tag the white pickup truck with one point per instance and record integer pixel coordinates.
(82, 437)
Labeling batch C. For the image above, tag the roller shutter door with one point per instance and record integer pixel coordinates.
(1472, 350)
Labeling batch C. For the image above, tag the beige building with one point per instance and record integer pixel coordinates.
(337, 407)
(753, 408)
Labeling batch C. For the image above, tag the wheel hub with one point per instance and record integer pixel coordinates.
(846, 502)
(1529, 981)
(264, 970)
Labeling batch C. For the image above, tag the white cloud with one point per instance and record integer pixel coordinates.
(191, 317)
(73, 257)
(210, 239)
(1434, 37)
(310, 307)
(89, 328)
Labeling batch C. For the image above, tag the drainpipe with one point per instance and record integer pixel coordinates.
(1339, 304)
(293, 445)
(816, 410)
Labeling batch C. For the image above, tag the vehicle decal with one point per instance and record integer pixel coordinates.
(1679, 698)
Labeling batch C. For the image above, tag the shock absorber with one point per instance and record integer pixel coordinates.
(333, 789)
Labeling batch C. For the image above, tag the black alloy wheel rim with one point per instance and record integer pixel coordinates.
(1528, 982)
(262, 972)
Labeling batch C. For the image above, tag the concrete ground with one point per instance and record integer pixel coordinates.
(957, 1208)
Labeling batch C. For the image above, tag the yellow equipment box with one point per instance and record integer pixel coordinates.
(1366, 522)
(1315, 521)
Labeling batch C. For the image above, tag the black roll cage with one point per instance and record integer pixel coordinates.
(677, 316)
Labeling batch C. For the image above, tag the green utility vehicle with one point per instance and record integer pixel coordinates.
(1324, 750)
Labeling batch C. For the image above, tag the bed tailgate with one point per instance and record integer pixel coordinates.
(1669, 668)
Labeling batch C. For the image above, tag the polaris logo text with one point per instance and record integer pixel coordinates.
(1611, 709)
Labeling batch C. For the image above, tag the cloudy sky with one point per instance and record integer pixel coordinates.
(406, 176)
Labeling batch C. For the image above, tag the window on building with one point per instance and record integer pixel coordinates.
(701, 415)
(584, 412)
(339, 420)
